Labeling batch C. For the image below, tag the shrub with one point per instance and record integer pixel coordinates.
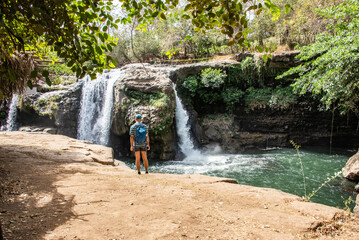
(279, 98)
(231, 96)
(191, 84)
(282, 98)
(257, 98)
(212, 78)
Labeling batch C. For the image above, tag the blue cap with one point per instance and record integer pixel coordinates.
(138, 116)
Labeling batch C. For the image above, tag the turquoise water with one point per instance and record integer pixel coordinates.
(279, 169)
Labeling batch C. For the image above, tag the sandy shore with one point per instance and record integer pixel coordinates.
(54, 187)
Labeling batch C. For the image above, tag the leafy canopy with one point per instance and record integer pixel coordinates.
(330, 66)
(230, 16)
(75, 29)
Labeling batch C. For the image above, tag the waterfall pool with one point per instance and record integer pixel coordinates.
(279, 169)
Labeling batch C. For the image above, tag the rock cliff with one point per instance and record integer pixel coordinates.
(147, 91)
(53, 108)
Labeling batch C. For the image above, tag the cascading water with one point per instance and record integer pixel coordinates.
(183, 130)
(96, 108)
(11, 120)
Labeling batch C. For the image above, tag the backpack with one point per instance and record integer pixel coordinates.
(141, 134)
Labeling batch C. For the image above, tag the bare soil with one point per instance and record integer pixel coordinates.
(52, 187)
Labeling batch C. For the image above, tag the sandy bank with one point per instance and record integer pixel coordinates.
(53, 187)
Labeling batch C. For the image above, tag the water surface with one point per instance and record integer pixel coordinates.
(279, 169)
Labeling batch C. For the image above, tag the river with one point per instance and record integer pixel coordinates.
(279, 169)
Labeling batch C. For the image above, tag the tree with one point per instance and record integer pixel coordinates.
(76, 30)
(330, 66)
(298, 27)
(230, 16)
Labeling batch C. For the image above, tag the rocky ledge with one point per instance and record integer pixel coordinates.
(53, 188)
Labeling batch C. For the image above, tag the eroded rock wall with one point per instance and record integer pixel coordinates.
(147, 91)
(57, 109)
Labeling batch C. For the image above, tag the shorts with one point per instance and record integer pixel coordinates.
(140, 149)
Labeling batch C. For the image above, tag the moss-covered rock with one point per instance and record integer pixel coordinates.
(56, 108)
(150, 93)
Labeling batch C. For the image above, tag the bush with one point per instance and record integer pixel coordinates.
(279, 98)
(156, 99)
(282, 98)
(257, 98)
(231, 96)
(212, 78)
(191, 84)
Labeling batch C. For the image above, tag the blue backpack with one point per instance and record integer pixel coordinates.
(141, 134)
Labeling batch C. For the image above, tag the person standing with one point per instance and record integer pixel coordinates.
(140, 142)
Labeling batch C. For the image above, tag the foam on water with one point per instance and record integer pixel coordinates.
(11, 120)
(96, 108)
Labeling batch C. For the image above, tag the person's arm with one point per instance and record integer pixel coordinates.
(148, 142)
(131, 142)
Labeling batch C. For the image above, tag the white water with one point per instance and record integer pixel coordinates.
(96, 108)
(11, 120)
(202, 162)
(183, 130)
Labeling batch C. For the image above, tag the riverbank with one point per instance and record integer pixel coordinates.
(53, 187)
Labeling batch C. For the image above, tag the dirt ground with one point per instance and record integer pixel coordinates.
(52, 187)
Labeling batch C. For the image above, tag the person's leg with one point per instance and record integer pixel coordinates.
(138, 163)
(144, 159)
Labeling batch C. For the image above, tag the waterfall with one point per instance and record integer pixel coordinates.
(183, 130)
(96, 108)
(11, 119)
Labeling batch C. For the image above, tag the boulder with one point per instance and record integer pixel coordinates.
(145, 90)
(351, 169)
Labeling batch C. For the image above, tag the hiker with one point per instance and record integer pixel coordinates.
(140, 142)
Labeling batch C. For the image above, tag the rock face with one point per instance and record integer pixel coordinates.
(263, 129)
(351, 169)
(149, 92)
(54, 109)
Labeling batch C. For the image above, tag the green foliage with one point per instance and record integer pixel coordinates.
(76, 30)
(330, 65)
(257, 98)
(261, 98)
(231, 96)
(157, 99)
(282, 98)
(212, 87)
(298, 26)
(42, 102)
(60, 69)
(347, 203)
(212, 78)
(191, 84)
(228, 16)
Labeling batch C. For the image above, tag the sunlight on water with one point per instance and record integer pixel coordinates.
(279, 169)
